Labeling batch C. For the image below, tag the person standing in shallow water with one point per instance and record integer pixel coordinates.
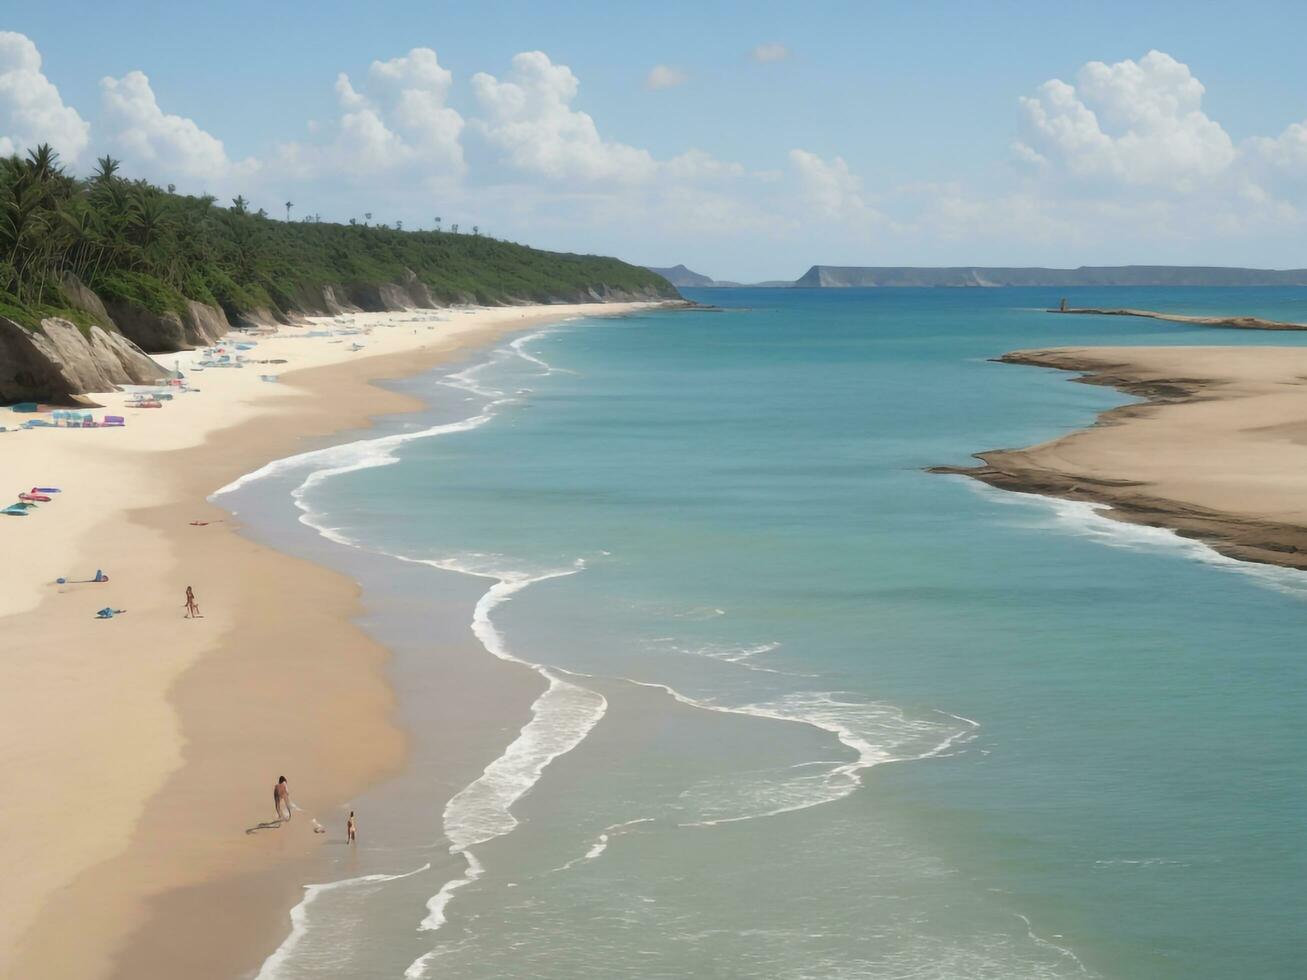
(281, 798)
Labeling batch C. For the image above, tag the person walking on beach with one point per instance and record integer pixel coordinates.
(192, 607)
(281, 798)
(351, 829)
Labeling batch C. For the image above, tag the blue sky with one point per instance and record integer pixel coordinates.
(748, 140)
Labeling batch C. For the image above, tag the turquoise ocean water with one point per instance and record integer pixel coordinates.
(809, 710)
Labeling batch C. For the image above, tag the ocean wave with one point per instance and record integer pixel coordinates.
(739, 654)
(601, 842)
(299, 917)
(1090, 520)
(878, 733)
(519, 347)
(561, 718)
(350, 456)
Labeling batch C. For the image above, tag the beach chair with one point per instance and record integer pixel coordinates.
(114, 420)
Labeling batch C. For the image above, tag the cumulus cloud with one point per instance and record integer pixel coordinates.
(166, 146)
(664, 76)
(400, 120)
(31, 109)
(765, 53)
(830, 188)
(528, 116)
(1133, 122)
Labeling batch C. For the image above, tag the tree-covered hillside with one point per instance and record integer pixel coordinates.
(134, 243)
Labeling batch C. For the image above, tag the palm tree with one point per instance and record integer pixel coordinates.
(399, 226)
(106, 168)
(476, 229)
(239, 204)
(150, 219)
(454, 229)
(289, 205)
(43, 163)
(367, 216)
(437, 223)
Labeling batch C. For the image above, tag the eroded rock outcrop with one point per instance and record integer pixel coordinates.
(57, 361)
(204, 325)
(158, 333)
(81, 297)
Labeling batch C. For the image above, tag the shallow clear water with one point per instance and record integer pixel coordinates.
(885, 723)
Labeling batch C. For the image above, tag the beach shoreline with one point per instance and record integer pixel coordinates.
(143, 745)
(1216, 451)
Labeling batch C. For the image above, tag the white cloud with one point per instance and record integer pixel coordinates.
(165, 146)
(417, 87)
(766, 53)
(400, 121)
(664, 76)
(830, 188)
(697, 165)
(31, 109)
(530, 119)
(1134, 122)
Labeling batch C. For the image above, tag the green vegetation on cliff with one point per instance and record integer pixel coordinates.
(136, 244)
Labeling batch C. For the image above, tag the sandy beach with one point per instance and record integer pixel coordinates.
(1216, 451)
(138, 751)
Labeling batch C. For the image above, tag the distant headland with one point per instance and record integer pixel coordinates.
(974, 276)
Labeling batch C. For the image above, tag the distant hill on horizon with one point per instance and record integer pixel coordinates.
(980, 276)
(837, 276)
(679, 275)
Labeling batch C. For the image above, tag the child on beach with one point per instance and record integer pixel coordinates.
(350, 828)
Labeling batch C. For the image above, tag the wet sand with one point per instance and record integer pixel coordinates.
(1217, 450)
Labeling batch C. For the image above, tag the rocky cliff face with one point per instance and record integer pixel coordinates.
(57, 361)
(163, 333)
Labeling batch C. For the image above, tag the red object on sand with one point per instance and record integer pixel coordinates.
(40, 497)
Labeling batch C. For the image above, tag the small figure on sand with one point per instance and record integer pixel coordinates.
(281, 798)
(351, 829)
(192, 607)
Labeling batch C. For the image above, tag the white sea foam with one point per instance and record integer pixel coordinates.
(560, 719)
(739, 654)
(364, 453)
(601, 842)
(330, 461)
(878, 733)
(519, 347)
(1053, 947)
(1090, 520)
(299, 917)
